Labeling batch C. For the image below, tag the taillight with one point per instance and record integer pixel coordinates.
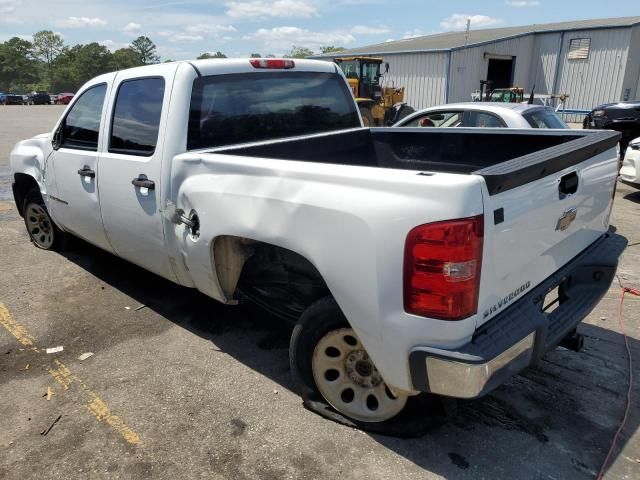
(442, 264)
(272, 63)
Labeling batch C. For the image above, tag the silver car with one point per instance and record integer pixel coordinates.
(484, 114)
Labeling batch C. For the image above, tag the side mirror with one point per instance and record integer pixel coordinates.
(386, 67)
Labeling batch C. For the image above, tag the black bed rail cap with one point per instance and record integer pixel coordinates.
(533, 166)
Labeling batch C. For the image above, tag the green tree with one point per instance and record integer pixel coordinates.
(255, 55)
(207, 55)
(299, 52)
(92, 60)
(78, 64)
(18, 67)
(146, 50)
(47, 45)
(331, 49)
(65, 77)
(125, 58)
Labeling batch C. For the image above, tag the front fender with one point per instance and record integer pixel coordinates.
(30, 158)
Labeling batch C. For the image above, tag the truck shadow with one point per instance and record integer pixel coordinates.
(633, 197)
(559, 417)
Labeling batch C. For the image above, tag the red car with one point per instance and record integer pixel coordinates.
(64, 98)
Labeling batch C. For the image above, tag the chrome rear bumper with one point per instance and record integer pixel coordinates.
(523, 333)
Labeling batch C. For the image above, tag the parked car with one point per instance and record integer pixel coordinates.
(409, 260)
(39, 98)
(64, 98)
(623, 117)
(485, 114)
(2, 95)
(13, 99)
(630, 170)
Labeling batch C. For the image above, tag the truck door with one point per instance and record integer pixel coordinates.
(73, 196)
(130, 167)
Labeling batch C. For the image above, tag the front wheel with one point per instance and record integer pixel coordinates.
(327, 358)
(42, 231)
(367, 117)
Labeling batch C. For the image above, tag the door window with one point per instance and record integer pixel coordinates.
(484, 120)
(136, 116)
(81, 126)
(436, 119)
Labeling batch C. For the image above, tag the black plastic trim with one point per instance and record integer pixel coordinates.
(528, 168)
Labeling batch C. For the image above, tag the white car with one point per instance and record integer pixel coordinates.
(409, 260)
(630, 170)
(485, 115)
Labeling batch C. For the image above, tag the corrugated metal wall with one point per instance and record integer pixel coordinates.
(422, 74)
(543, 62)
(611, 68)
(469, 65)
(599, 78)
(632, 71)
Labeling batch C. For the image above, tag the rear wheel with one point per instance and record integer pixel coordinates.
(367, 117)
(42, 231)
(328, 359)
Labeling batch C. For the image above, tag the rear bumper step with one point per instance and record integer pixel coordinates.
(523, 333)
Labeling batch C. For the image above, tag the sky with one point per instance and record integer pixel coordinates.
(185, 29)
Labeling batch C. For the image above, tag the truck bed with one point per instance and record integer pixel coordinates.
(505, 158)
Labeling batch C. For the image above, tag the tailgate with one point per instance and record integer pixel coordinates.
(541, 210)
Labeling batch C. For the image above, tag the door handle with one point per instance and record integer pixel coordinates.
(568, 184)
(86, 172)
(144, 182)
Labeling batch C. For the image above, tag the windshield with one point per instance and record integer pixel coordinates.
(544, 118)
(249, 107)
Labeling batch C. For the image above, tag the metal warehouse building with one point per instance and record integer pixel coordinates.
(594, 61)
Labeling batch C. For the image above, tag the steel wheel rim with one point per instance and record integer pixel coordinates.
(39, 225)
(349, 381)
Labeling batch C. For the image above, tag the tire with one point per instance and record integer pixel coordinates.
(42, 231)
(367, 117)
(329, 362)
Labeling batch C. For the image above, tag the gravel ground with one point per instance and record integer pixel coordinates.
(185, 387)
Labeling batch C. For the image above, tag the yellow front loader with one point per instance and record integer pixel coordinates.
(379, 105)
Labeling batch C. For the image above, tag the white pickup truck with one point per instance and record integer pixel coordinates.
(410, 259)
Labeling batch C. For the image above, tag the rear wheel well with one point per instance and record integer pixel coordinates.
(275, 278)
(23, 183)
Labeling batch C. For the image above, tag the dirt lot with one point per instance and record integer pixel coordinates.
(184, 387)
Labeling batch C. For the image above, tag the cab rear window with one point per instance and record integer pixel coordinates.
(250, 107)
(544, 118)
